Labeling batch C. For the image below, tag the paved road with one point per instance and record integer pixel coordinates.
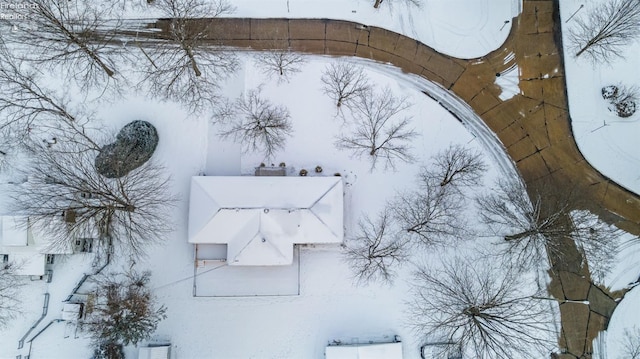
(534, 125)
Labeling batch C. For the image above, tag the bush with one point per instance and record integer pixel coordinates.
(610, 92)
(622, 99)
(108, 350)
(625, 109)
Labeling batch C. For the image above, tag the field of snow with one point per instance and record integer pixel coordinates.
(329, 307)
(608, 142)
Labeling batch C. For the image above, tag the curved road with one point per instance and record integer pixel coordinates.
(534, 126)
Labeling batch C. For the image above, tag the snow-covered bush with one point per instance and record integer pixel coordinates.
(609, 92)
(623, 99)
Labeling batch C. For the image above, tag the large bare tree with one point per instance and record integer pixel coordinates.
(9, 293)
(534, 224)
(488, 310)
(78, 37)
(186, 67)
(379, 132)
(431, 215)
(280, 61)
(455, 166)
(376, 249)
(344, 82)
(604, 32)
(67, 198)
(256, 123)
(30, 110)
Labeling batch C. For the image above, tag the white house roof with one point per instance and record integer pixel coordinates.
(261, 218)
(369, 351)
(14, 231)
(28, 263)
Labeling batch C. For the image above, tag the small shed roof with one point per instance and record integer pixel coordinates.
(368, 351)
(261, 218)
(159, 352)
(71, 311)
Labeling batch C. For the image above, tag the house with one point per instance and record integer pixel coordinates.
(29, 250)
(261, 219)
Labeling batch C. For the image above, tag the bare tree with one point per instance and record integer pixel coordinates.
(185, 67)
(455, 166)
(631, 344)
(376, 249)
(9, 293)
(378, 132)
(487, 309)
(344, 81)
(67, 198)
(429, 216)
(256, 123)
(416, 3)
(125, 311)
(79, 38)
(29, 109)
(534, 228)
(604, 32)
(282, 63)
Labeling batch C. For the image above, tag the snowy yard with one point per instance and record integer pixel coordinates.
(295, 311)
(608, 142)
(330, 306)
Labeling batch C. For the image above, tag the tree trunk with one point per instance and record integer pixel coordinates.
(192, 59)
(520, 235)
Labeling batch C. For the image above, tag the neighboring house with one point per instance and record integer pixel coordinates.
(27, 249)
(261, 219)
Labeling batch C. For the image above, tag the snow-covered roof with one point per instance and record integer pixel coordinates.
(19, 237)
(161, 352)
(261, 218)
(71, 311)
(14, 233)
(368, 351)
(28, 263)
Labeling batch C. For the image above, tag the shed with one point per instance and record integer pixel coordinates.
(365, 351)
(154, 352)
(260, 219)
(71, 311)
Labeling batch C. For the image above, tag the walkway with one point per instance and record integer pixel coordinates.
(534, 126)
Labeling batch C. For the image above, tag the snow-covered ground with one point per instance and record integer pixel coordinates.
(460, 28)
(329, 306)
(608, 142)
